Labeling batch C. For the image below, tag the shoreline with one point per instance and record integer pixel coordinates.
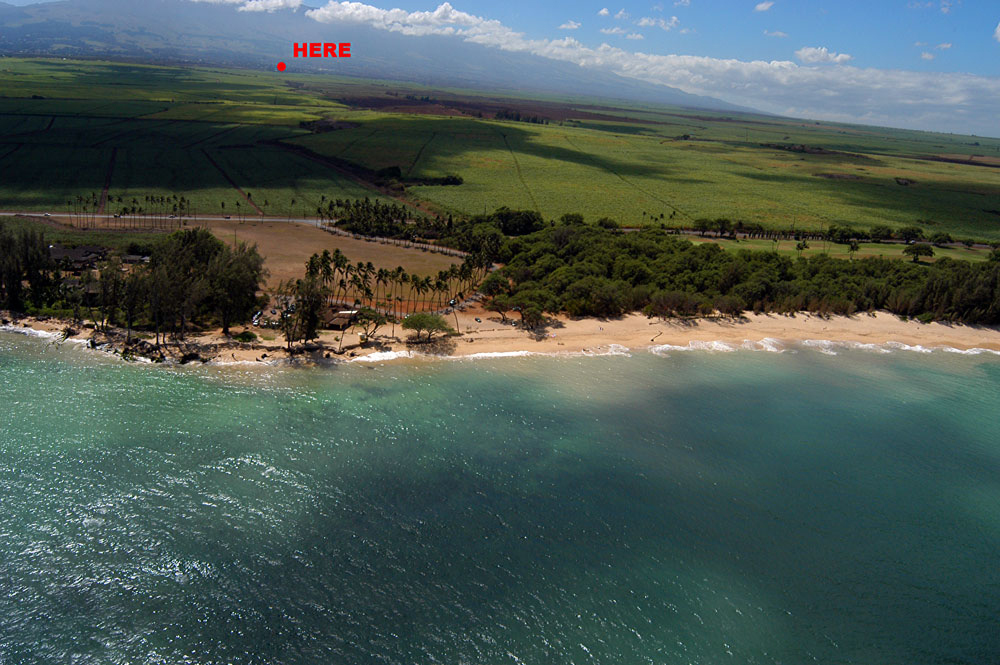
(490, 338)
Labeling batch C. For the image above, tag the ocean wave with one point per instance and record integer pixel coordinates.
(825, 346)
(217, 362)
(768, 344)
(613, 350)
(30, 332)
(497, 354)
(383, 356)
(899, 346)
(976, 351)
(715, 346)
(831, 348)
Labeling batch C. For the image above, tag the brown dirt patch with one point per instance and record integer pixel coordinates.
(286, 246)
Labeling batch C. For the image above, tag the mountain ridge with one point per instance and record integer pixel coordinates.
(204, 33)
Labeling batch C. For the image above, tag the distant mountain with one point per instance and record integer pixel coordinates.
(205, 33)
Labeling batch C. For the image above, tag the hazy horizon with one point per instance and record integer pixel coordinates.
(913, 65)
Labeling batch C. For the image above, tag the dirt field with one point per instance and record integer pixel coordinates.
(287, 246)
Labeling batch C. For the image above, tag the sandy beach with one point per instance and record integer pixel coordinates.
(635, 332)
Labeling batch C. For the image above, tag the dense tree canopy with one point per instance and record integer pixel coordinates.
(24, 258)
(191, 275)
(590, 271)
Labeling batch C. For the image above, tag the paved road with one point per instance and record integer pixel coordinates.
(195, 218)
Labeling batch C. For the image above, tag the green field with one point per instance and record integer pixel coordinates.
(203, 133)
(637, 177)
(166, 127)
(58, 234)
(865, 249)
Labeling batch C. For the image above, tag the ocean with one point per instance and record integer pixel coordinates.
(818, 504)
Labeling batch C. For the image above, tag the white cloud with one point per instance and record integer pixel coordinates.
(257, 5)
(946, 6)
(613, 31)
(270, 5)
(996, 33)
(570, 25)
(927, 56)
(943, 47)
(763, 6)
(918, 100)
(919, 5)
(812, 55)
(776, 33)
(647, 22)
(918, 44)
(604, 12)
(622, 14)
(678, 3)
(634, 35)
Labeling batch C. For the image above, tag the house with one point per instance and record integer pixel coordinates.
(75, 259)
(340, 320)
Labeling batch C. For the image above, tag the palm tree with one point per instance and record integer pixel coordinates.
(369, 274)
(326, 269)
(381, 279)
(425, 286)
(459, 297)
(404, 280)
(414, 289)
(441, 287)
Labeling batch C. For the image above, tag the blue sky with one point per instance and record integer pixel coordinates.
(919, 64)
(877, 33)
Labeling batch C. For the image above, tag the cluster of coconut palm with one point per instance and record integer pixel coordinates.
(393, 292)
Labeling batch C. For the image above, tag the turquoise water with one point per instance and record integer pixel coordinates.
(743, 507)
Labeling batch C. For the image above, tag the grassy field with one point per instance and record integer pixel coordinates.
(196, 133)
(865, 249)
(69, 128)
(639, 178)
(64, 234)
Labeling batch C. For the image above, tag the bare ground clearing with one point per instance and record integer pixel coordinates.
(286, 246)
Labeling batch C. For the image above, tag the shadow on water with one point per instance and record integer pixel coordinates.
(464, 512)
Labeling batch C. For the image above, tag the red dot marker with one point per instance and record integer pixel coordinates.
(281, 66)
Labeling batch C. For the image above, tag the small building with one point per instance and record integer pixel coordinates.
(341, 320)
(85, 257)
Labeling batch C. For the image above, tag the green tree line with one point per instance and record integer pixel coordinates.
(592, 271)
(192, 278)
